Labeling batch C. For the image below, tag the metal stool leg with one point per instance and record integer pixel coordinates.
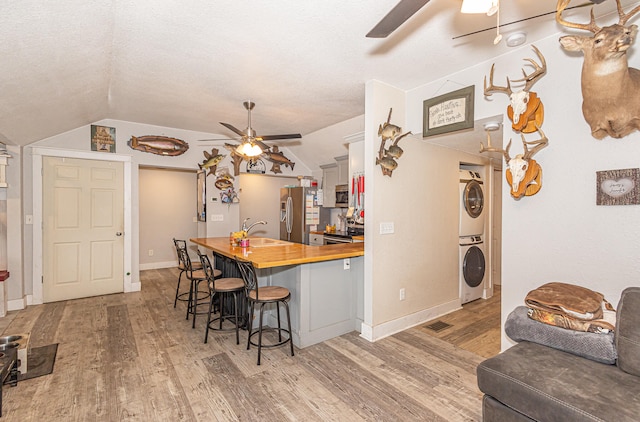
(175, 302)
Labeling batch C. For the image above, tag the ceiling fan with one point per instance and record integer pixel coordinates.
(252, 145)
(407, 8)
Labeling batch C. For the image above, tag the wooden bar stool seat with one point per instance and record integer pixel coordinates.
(265, 295)
(224, 289)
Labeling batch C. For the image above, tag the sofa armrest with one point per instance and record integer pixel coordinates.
(628, 331)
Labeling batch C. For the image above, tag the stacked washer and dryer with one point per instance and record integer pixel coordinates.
(472, 251)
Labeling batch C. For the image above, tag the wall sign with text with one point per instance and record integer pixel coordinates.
(618, 187)
(448, 112)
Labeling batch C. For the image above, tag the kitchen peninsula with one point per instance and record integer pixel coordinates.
(326, 282)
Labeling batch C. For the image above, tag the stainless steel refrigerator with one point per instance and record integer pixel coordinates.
(299, 211)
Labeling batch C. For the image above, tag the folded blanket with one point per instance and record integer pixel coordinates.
(598, 347)
(566, 299)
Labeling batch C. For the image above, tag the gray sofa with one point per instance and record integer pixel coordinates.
(533, 381)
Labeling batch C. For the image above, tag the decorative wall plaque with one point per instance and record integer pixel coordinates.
(618, 187)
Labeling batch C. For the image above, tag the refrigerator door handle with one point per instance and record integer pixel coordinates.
(289, 211)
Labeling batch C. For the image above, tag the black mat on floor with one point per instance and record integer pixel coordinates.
(40, 361)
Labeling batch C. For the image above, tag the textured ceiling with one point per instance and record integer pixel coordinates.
(190, 64)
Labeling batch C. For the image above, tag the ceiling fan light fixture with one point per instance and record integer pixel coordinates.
(249, 149)
(488, 7)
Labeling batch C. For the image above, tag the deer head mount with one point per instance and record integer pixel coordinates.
(523, 174)
(526, 110)
(610, 88)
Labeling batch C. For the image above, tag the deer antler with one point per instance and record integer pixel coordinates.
(489, 148)
(493, 88)
(624, 17)
(591, 26)
(539, 144)
(536, 74)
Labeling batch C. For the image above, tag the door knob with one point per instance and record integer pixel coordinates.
(118, 233)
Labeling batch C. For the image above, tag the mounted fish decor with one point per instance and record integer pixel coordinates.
(387, 157)
(278, 159)
(224, 179)
(211, 161)
(161, 145)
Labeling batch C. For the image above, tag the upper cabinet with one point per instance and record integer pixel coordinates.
(356, 153)
(330, 179)
(343, 170)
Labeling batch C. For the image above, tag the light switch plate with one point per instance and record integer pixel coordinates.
(386, 228)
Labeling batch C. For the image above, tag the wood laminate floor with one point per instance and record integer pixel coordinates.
(133, 357)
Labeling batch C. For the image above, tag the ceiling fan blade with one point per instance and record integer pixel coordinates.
(276, 137)
(262, 145)
(396, 17)
(227, 139)
(233, 128)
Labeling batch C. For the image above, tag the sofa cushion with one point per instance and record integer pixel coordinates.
(546, 384)
(599, 347)
(494, 411)
(628, 331)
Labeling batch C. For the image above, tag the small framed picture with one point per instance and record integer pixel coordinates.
(448, 112)
(618, 187)
(103, 138)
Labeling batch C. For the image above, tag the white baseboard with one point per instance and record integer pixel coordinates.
(391, 327)
(17, 304)
(158, 265)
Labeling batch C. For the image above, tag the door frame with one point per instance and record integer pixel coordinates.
(129, 284)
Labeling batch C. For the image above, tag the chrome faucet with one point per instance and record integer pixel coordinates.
(246, 229)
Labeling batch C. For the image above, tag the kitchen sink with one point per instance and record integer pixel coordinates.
(260, 242)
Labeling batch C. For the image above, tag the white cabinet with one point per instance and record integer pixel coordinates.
(356, 158)
(343, 170)
(316, 239)
(329, 182)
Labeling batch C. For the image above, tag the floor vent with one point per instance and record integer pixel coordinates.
(438, 326)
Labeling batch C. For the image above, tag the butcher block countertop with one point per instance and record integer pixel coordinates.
(268, 253)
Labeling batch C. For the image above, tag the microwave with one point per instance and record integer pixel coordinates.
(342, 196)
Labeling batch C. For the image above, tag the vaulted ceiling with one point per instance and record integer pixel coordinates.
(191, 64)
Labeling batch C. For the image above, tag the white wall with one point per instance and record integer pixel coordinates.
(167, 210)
(558, 234)
(421, 199)
(260, 200)
(20, 288)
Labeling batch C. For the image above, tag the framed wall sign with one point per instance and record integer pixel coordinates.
(448, 112)
(618, 187)
(103, 138)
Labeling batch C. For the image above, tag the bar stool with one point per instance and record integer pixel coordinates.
(181, 266)
(222, 287)
(261, 296)
(195, 277)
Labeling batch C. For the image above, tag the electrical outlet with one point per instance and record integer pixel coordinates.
(386, 228)
(347, 263)
(402, 294)
(150, 252)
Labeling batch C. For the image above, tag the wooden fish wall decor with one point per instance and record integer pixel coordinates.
(160, 145)
(211, 161)
(272, 154)
(387, 157)
(277, 159)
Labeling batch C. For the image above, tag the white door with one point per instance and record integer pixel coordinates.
(83, 224)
